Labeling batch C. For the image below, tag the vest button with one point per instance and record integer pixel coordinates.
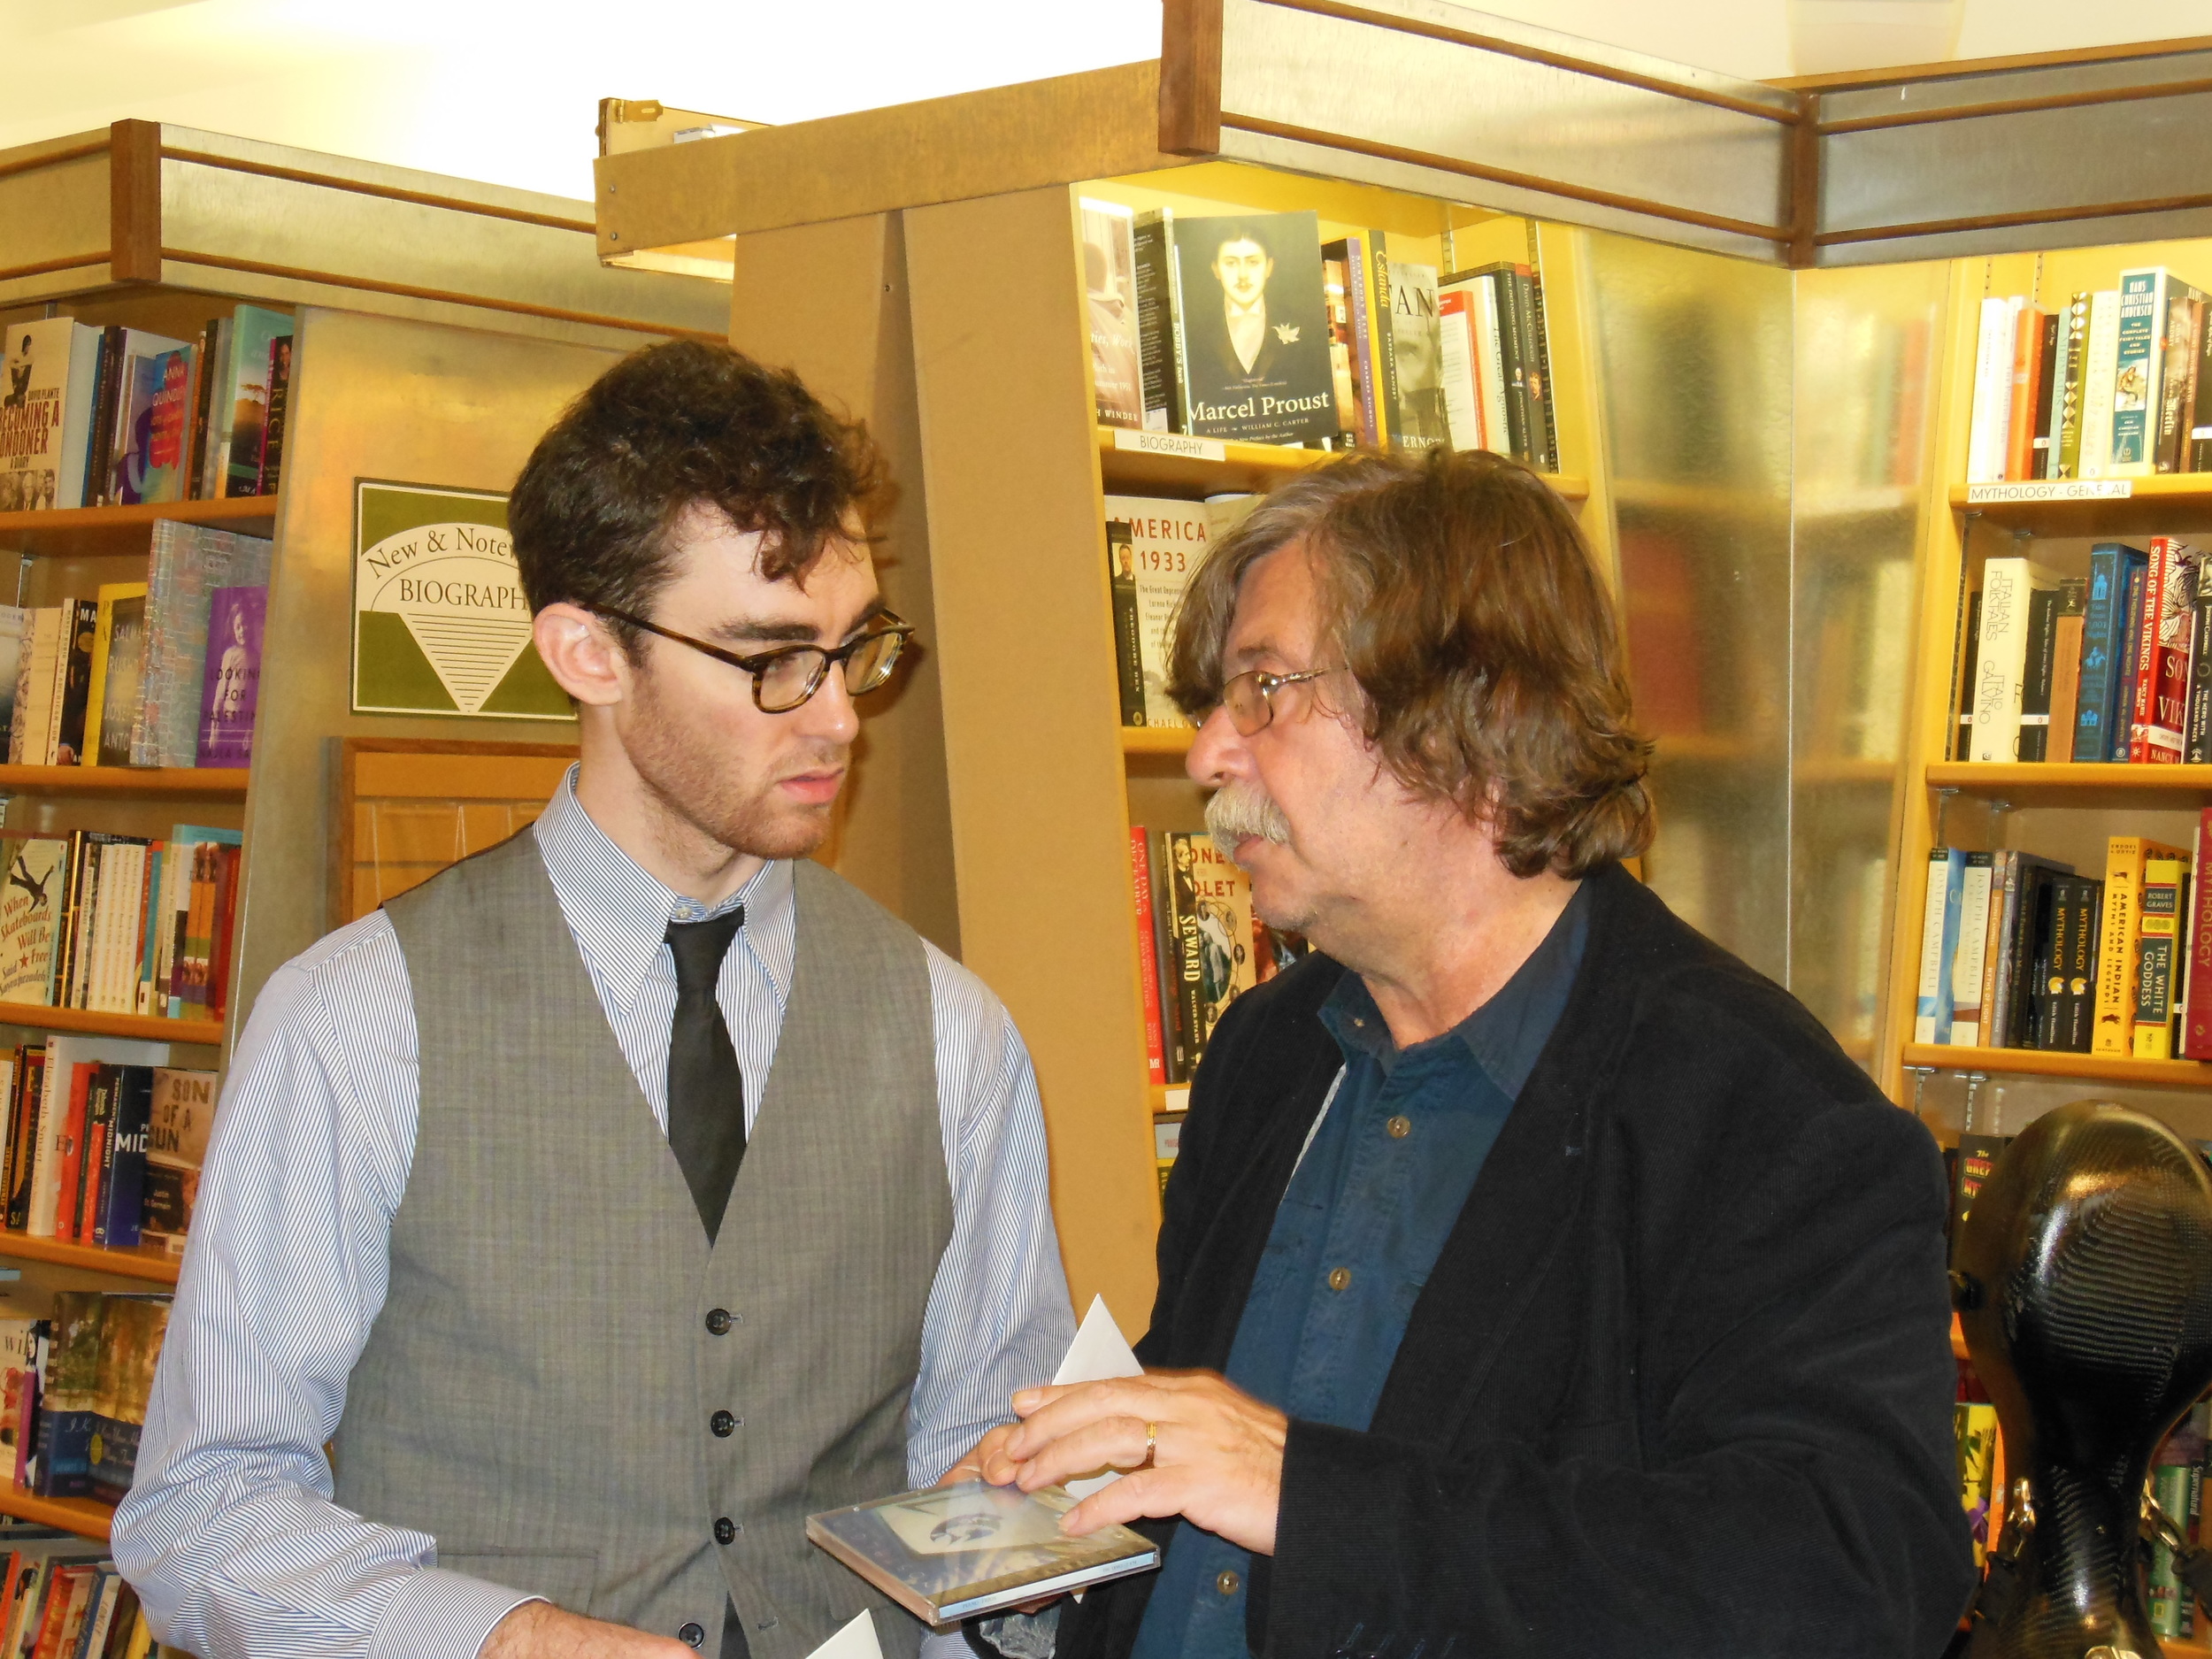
(718, 1322)
(722, 1424)
(724, 1529)
(692, 1635)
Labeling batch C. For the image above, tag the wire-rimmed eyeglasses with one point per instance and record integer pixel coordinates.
(1249, 698)
(785, 678)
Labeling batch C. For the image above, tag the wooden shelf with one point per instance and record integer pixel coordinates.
(1157, 739)
(150, 1262)
(1170, 1097)
(88, 1517)
(1243, 466)
(89, 532)
(2169, 502)
(151, 1027)
(198, 783)
(2049, 1063)
(2078, 784)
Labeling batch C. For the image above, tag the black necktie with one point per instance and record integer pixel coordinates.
(706, 1094)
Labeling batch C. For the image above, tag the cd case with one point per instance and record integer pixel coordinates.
(949, 1553)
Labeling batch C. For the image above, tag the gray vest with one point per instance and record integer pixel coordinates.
(541, 1392)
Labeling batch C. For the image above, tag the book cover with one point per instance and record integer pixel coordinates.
(130, 1342)
(2039, 675)
(1416, 352)
(188, 563)
(2196, 1023)
(1945, 885)
(1456, 364)
(119, 664)
(1474, 295)
(72, 1382)
(1147, 954)
(1543, 407)
(231, 692)
(2161, 661)
(46, 404)
(2023, 949)
(1167, 1145)
(206, 352)
(1977, 1156)
(1990, 422)
(1110, 292)
(949, 1553)
(218, 375)
(1210, 917)
(2177, 378)
(253, 328)
(115, 1219)
(2147, 317)
(1168, 541)
(2009, 585)
(2128, 664)
(2028, 325)
(2119, 935)
(1121, 583)
(2066, 651)
(29, 905)
(2157, 930)
(1159, 335)
(153, 399)
(81, 619)
(1255, 327)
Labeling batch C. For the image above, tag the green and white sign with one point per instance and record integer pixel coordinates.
(440, 623)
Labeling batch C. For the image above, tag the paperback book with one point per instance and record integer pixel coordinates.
(1253, 326)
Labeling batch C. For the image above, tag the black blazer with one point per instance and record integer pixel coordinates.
(1680, 1382)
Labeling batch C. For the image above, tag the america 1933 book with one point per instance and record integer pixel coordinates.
(949, 1553)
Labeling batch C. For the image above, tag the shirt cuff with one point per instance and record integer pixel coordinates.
(441, 1615)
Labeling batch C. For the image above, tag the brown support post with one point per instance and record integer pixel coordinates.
(135, 201)
(1805, 181)
(1190, 78)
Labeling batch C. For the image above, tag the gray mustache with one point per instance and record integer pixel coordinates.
(1239, 809)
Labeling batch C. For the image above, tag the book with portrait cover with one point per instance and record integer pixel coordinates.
(153, 400)
(949, 1553)
(1254, 327)
(1416, 350)
(1207, 924)
(46, 371)
(231, 691)
(1167, 542)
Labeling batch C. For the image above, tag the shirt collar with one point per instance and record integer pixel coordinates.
(619, 913)
(1505, 1036)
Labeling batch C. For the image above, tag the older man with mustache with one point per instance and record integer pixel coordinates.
(1536, 1278)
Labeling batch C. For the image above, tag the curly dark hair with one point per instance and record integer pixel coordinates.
(1459, 591)
(683, 424)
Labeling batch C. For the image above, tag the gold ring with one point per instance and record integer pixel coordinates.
(1151, 1444)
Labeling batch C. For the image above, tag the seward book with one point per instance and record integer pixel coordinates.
(949, 1553)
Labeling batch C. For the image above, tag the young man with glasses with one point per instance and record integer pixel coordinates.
(1535, 1279)
(630, 1190)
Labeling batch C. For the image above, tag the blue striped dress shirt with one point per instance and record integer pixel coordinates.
(230, 1534)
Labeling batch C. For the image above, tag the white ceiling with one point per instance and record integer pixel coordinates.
(504, 91)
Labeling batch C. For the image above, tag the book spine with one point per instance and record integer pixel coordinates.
(2196, 1022)
(1992, 417)
(2197, 737)
(1967, 963)
(2157, 575)
(2135, 374)
(226, 907)
(2037, 673)
(1174, 1034)
(1539, 335)
(2100, 366)
(1390, 422)
(1535, 395)
(2068, 463)
(1931, 956)
(2004, 901)
(2049, 368)
(2066, 652)
(99, 1146)
(1362, 307)
(1155, 323)
(2158, 914)
(2001, 664)
(279, 399)
(2126, 672)
(2197, 446)
(2027, 355)
(202, 391)
(2116, 945)
(2034, 950)
(1148, 956)
(100, 456)
(26, 1135)
(1963, 675)
(76, 683)
(2050, 981)
(1128, 647)
(1513, 360)
(2177, 410)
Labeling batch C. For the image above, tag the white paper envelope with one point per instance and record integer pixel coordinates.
(1100, 1352)
(857, 1640)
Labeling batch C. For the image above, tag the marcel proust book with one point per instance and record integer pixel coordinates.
(1254, 324)
(949, 1553)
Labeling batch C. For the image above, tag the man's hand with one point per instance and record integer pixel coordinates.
(538, 1630)
(1216, 1455)
(988, 1451)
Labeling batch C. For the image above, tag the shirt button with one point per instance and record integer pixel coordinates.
(1228, 1583)
(724, 1530)
(1339, 1276)
(1400, 1126)
(718, 1322)
(692, 1635)
(724, 1424)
